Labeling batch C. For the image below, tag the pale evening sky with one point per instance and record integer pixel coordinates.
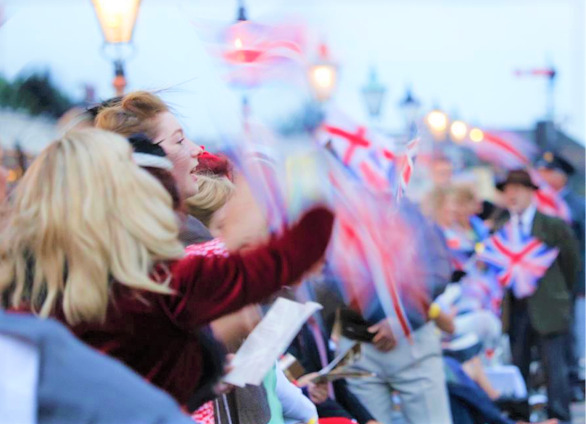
(458, 54)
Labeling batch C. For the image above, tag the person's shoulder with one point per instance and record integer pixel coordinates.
(574, 200)
(551, 221)
(31, 327)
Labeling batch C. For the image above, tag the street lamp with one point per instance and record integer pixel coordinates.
(323, 75)
(410, 107)
(437, 121)
(117, 19)
(476, 135)
(243, 52)
(458, 131)
(373, 93)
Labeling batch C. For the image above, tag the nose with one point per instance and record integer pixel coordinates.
(194, 149)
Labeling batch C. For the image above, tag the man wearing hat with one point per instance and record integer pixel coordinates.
(556, 171)
(542, 319)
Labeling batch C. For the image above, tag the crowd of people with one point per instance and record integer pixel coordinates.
(134, 263)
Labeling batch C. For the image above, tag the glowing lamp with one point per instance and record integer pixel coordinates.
(437, 121)
(476, 135)
(117, 19)
(458, 131)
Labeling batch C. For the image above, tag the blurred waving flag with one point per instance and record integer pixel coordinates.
(257, 157)
(520, 260)
(378, 162)
(374, 253)
(254, 53)
(503, 149)
(548, 201)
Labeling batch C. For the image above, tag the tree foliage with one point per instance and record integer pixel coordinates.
(35, 94)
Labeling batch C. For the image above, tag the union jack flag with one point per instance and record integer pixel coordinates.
(520, 260)
(403, 164)
(204, 414)
(460, 246)
(481, 288)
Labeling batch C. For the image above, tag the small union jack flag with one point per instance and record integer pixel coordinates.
(520, 260)
(461, 245)
(403, 164)
(482, 290)
(204, 414)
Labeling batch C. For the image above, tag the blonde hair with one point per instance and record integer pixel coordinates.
(132, 114)
(213, 191)
(84, 215)
(436, 200)
(462, 193)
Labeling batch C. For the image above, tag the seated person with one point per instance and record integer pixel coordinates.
(468, 402)
(312, 350)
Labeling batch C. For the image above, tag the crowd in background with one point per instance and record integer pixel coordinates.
(133, 263)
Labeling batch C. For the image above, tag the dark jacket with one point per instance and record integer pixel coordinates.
(468, 402)
(192, 231)
(304, 348)
(78, 385)
(577, 209)
(550, 305)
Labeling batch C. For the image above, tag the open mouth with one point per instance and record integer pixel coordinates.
(193, 173)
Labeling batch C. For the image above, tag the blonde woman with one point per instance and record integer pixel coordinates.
(91, 239)
(212, 194)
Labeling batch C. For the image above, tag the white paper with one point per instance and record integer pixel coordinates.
(268, 341)
(507, 379)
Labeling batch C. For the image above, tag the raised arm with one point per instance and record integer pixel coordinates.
(210, 287)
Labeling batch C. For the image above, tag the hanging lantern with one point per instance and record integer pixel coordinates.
(373, 93)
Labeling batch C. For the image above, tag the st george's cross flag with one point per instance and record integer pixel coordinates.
(371, 158)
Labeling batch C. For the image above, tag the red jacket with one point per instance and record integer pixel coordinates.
(155, 335)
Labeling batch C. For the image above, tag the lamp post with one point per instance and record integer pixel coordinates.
(373, 93)
(322, 75)
(437, 122)
(476, 135)
(410, 106)
(117, 19)
(458, 131)
(242, 53)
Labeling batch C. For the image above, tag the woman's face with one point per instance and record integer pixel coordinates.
(447, 212)
(473, 207)
(244, 224)
(180, 150)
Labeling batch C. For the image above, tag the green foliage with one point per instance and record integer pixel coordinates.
(35, 94)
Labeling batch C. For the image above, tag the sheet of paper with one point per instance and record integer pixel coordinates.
(349, 355)
(268, 341)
